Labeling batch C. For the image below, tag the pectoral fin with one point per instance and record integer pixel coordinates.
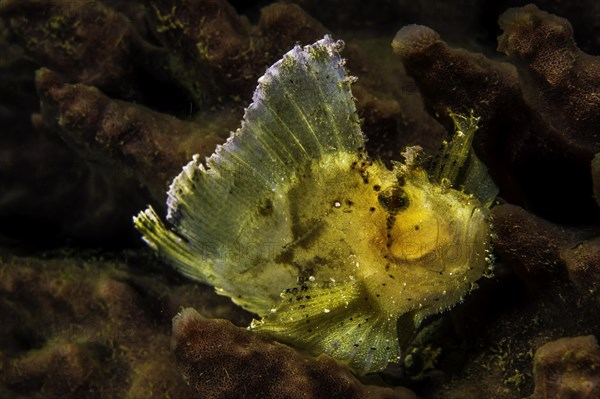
(334, 318)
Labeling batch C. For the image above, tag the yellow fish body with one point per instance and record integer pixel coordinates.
(293, 220)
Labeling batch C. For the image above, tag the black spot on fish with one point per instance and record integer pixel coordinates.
(265, 208)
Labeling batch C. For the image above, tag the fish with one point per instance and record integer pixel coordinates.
(334, 251)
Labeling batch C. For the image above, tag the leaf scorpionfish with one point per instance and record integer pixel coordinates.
(335, 252)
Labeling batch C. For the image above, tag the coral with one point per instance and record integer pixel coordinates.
(582, 15)
(567, 368)
(217, 54)
(459, 79)
(254, 367)
(546, 254)
(583, 265)
(132, 136)
(502, 354)
(284, 24)
(388, 102)
(72, 327)
(70, 37)
(209, 43)
(530, 243)
(528, 142)
(208, 48)
(557, 79)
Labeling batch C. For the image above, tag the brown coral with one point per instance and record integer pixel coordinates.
(75, 327)
(531, 244)
(530, 141)
(150, 145)
(72, 37)
(560, 81)
(210, 44)
(567, 368)
(583, 265)
(222, 361)
(546, 254)
(217, 54)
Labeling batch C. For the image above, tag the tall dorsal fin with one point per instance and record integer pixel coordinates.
(302, 109)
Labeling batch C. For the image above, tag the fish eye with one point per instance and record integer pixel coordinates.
(393, 199)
